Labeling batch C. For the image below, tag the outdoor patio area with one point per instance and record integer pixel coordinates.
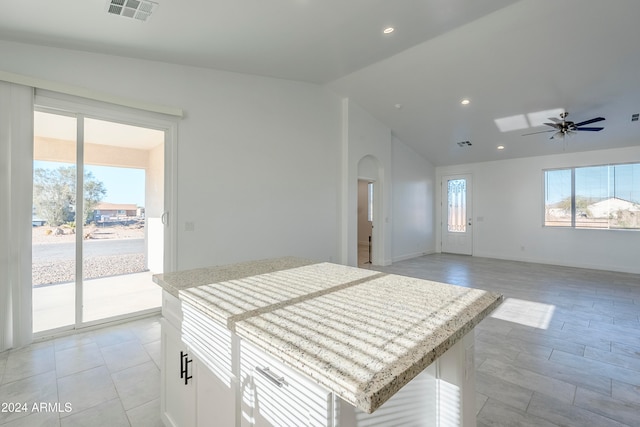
(54, 305)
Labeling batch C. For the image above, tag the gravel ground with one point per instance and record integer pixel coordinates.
(46, 273)
(64, 271)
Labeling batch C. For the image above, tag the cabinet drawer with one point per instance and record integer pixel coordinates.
(172, 309)
(210, 341)
(276, 395)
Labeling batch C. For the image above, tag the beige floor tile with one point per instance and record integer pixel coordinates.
(76, 359)
(124, 355)
(86, 389)
(146, 415)
(138, 385)
(106, 414)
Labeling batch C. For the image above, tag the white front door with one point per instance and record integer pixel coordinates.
(457, 236)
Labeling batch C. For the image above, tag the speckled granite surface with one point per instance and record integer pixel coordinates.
(359, 333)
(175, 282)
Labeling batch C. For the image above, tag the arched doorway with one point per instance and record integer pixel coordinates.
(368, 240)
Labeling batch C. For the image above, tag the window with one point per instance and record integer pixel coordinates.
(457, 202)
(605, 197)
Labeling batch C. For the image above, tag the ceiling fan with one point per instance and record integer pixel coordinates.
(565, 127)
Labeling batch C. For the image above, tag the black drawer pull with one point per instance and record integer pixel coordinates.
(184, 367)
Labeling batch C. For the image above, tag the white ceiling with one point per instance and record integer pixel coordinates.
(508, 57)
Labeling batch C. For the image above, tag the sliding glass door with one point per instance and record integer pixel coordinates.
(97, 230)
(54, 215)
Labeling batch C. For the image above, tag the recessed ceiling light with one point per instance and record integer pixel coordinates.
(388, 30)
(465, 102)
(500, 147)
(398, 106)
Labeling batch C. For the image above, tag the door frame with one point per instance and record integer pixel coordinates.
(59, 103)
(444, 197)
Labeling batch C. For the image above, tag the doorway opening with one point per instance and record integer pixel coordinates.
(97, 236)
(365, 222)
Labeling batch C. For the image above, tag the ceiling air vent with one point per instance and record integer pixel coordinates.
(137, 9)
(464, 144)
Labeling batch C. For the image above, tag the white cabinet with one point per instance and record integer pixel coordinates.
(178, 393)
(275, 395)
(192, 394)
(212, 378)
(215, 400)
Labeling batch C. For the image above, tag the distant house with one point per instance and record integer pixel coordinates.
(610, 207)
(104, 211)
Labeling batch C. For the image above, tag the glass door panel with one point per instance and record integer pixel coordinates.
(53, 221)
(97, 233)
(118, 163)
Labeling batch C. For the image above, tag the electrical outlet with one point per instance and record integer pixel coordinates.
(189, 226)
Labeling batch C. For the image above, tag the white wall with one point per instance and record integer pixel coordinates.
(508, 199)
(413, 203)
(366, 138)
(258, 158)
(404, 190)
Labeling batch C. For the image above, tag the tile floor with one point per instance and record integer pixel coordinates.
(109, 377)
(563, 350)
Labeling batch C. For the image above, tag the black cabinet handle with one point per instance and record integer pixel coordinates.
(184, 367)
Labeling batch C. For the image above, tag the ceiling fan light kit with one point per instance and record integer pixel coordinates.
(564, 128)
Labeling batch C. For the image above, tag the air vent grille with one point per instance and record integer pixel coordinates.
(139, 10)
(464, 144)
(634, 117)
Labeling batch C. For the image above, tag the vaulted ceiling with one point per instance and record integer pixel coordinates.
(510, 59)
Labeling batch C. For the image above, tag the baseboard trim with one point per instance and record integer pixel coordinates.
(411, 256)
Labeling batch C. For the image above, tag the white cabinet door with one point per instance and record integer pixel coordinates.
(414, 405)
(216, 399)
(178, 391)
(275, 395)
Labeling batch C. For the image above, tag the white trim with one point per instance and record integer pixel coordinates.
(79, 220)
(171, 198)
(16, 171)
(411, 256)
(78, 91)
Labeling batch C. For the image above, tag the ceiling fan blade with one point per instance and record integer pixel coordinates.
(555, 120)
(559, 134)
(591, 129)
(553, 125)
(542, 131)
(586, 122)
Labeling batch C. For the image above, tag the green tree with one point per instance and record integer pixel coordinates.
(54, 194)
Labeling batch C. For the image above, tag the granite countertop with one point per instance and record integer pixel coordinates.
(179, 280)
(360, 333)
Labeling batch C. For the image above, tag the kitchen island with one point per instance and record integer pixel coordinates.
(292, 342)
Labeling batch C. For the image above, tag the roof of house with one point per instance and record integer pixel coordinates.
(104, 206)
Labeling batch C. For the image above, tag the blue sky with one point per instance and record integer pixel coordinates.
(597, 182)
(124, 185)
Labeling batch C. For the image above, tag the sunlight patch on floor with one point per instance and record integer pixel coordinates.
(527, 313)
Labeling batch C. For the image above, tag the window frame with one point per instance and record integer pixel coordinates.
(573, 208)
